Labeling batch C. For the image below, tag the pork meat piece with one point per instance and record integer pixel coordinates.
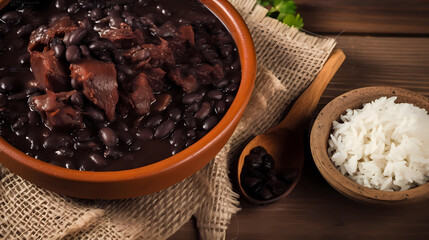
(49, 72)
(99, 84)
(55, 111)
(42, 36)
(123, 37)
(142, 96)
(188, 83)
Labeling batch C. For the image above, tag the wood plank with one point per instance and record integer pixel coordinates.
(365, 16)
(375, 61)
(315, 210)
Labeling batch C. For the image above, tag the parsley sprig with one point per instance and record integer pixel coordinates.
(284, 11)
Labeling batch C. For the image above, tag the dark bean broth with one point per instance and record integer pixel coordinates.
(178, 117)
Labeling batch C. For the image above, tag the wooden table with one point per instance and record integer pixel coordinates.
(386, 43)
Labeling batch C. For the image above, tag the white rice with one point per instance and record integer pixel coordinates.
(384, 145)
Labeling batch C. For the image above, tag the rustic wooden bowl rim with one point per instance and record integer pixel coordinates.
(322, 128)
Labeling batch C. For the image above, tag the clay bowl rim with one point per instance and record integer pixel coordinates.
(241, 35)
(319, 146)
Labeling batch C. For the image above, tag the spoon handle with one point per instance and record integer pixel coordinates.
(307, 102)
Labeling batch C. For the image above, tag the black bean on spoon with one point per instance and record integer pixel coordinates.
(259, 177)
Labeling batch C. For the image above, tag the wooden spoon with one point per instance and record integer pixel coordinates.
(284, 142)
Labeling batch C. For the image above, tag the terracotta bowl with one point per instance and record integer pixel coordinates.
(319, 144)
(160, 175)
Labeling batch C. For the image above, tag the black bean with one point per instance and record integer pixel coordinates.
(267, 162)
(136, 146)
(66, 38)
(75, 84)
(229, 99)
(121, 77)
(85, 165)
(108, 137)
(85, 51)
(4, 29)
(61, 4)
(83, 135)
(8, 85)
(249, 182)
(204, 111)
(215, 95)
(125, 137)
(21, 132)
(55, 141)
(93, 146)
(20, 123)
(153, 121)
(115, 22)
(178, 138)
(74, 8)
(191, 133)
(118, 57)
(77, 99)
(253, 160)
(201, 134)
(95, 114)
(125, 69)
(194, 107)
(86, 23)
(189, 142)
(17, 96)
(175, 114)
(166, 30)
(189, 120)
(141, 55)
(232, 87)
(3, 100)
(97, 46)
(258, 150)
(164, 129)
(12, 17)
(265, 193)
(34, 118)
(144, 134)
(112, 153)
(25, 30)
(96, 13)
(220, 107)
(32, 91)
(77, 36)
(59, 51)
(64, 152)
(19, 44)
(57, 17)
(69, 164)
(176, 150)
(24, 59)
(73, 54)
(34, 139)
(121, 127)
(192, 97)
(98, 159)
(105, 57)
(209, 123)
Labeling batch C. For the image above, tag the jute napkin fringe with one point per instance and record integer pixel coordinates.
(287, 62)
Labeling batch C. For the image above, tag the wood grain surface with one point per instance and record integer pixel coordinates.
(366, 16)
(386, 43)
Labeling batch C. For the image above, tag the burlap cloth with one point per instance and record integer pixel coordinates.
(287, 62)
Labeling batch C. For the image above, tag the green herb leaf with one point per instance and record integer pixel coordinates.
(284, 11)
(295, 21)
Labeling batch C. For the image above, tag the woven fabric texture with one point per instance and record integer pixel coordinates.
(288, 60)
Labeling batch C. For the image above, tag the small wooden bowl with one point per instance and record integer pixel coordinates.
(319, 144)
